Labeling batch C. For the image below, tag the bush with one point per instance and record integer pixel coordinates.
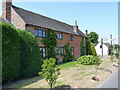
(89, 60)
(10, 53)
(91, 49)
(50, 71)
(68, 56)
(30, 54)
(117, 55)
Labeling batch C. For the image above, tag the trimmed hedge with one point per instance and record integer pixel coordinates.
(30, 54)
(10, 53)
(20, 54)
(89, 60)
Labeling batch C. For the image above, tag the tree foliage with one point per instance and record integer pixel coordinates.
(68, 55)
(93, 37)
(50, 41)
(82, 46)
(116, 47)
(91, 49)
(50, 71)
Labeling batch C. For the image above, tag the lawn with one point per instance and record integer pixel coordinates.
(67, 65)
(71, 76)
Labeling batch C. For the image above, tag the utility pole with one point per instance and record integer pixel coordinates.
(111, 39)
(102, 46)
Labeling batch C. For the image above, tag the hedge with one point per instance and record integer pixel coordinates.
(10, 53)
(20, 54)
(30, 54)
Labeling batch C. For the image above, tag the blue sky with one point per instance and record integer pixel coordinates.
(100, 17)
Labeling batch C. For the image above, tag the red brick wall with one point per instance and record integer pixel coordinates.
(17, 20)
(65, 39)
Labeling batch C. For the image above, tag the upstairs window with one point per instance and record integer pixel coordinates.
(59, 36)
(60, 50)
(71, 38)
(39, 33)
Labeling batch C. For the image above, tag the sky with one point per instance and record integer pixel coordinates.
(99, 17)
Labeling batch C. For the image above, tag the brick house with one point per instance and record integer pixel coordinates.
(38, 25)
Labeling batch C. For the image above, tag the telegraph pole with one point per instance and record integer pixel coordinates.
(102, 46)
(111, 39)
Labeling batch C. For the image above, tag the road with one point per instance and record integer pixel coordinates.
(111, 82)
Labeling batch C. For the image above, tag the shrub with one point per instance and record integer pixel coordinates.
(30, 54)
(89, 60)
(82, 47)
(68, 56)
(117, 55)
(91, 49)
(111, 55)
(50, 71)
(10, 53)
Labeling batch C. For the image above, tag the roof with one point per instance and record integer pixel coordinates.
(35, 19)
(4, 20)
(107, 44)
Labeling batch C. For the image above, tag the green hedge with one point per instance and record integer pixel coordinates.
(89, 60)
(10, 53)
(20, 54)
(30, 54)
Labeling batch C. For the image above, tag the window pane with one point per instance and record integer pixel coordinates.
(44, 52)
(71, 38)
(59, 36)
(40, 33)
(44, 33)
(36, 32)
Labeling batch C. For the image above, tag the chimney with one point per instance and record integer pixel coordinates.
(6, 9)
(75, 27)
(86, 31)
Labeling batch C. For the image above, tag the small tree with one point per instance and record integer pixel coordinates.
(50, 42)
(50, 71)
(68, 56)
(82, 47)
(91, 49)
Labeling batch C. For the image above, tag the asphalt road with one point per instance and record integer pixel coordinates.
(111, 82)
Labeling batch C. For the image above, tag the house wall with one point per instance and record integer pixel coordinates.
(9, 14)
(99, 50)
(17, 20)
(65, 39)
